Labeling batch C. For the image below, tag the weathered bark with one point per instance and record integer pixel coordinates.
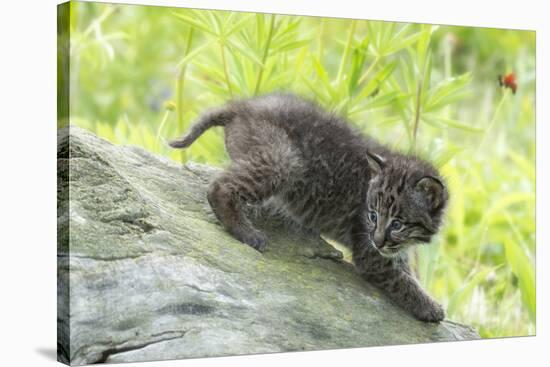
(154, 276)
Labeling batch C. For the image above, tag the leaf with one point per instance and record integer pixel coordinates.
(390, 120)
(260, 26)
(194, 23)
(239, 25)
(289, 46)
(377, 80)
(457, 210)
(357, 61)
(460, 296)
(245, 52)
(228, 19)
(215, 21)
(508, 200)
(374, 35)
(524, 270)
(316, 91)
(442, 122)
(423, 44)
(194, 53)
(385, 72)
(387, 33)
(427, 78)
(284, 34)
(398, 45)
(407, 75)
(445, 155)
(446, 92)
(526, 166)
(403, 30)
(383, 100)
(323, 76)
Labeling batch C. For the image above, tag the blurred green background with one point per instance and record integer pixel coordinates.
(139, 75)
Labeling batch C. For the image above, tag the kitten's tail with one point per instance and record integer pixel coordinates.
(219, 117)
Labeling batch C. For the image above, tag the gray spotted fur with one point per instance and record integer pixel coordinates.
(331, 181)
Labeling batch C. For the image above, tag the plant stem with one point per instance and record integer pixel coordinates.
(417, 112)
(226, 73)
(447, 49)
(448, 59)
(265, 53)
(321, 45)
(161, 126)
(423, 65)
(180, 83)
(494, 119)
(344, 59)
(369, 70)
(97, 22)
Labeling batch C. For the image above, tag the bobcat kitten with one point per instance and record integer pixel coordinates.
(331, 180)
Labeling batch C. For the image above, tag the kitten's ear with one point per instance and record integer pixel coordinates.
(376, 163)
(433, 191)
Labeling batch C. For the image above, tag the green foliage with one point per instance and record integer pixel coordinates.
(141, 75)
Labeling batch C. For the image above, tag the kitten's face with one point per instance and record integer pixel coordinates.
(404, 208)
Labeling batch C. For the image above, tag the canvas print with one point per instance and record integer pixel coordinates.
(236, 183)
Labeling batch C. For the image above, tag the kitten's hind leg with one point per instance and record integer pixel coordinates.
(246, 183)
(225, 196)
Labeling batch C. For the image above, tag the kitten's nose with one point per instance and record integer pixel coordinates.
(379, 239)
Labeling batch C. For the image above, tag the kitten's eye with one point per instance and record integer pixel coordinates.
(373, 217)
(396, 225)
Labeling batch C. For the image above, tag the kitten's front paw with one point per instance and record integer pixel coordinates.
(255, 239)
(431, 312)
